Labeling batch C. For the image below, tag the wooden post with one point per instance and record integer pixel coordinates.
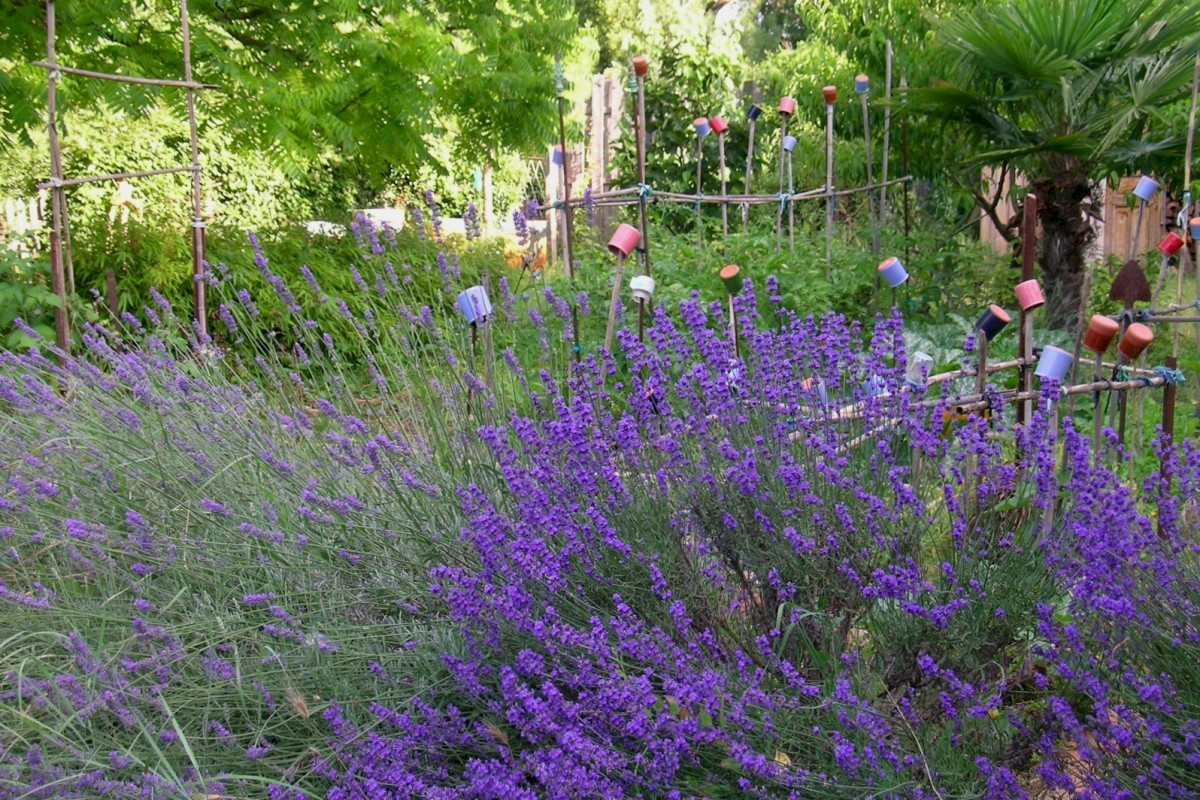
(724, 188)
(699, 194)
(749, 172)
(110, 294)
(779, 214)
(614, 302)
(870, 178)
(1025, 334)
(791, 205)
(62, 323)
(198, 225)
(887, 131)
(1168, 425)
(828, 186)
(568, 248)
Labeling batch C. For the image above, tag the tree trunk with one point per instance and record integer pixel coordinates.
(1066, 233)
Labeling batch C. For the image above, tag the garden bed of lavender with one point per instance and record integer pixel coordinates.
(305, 559)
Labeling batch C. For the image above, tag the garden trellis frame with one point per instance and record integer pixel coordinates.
(63, 278)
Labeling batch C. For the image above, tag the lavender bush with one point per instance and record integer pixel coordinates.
(241, 568)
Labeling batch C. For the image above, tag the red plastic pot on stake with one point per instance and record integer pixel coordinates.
(622, 244)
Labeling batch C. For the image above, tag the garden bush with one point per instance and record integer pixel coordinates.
(680, 569)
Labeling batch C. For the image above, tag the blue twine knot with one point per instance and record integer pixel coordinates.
(1121, 374)
(577, 349)
(644, 191)
(1141, 315)
(1169, 375)
(558, 204)
(784, 199)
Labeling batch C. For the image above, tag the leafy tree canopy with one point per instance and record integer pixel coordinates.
(369, 80)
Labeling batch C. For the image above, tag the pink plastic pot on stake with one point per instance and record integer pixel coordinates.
(1171, 244)
(625, 240)
(1136, 339)
(787, 106)
(1029, 295)
(1101, 330)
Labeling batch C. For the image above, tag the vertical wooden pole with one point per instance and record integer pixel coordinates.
(489, 349)
(870, 179)
(198, 225)
(568, 248)
(828, 188)
(749, 172)
(1025, 343)
(110, 294)
(641, 157)
(887, 131)
(779, 214)
(614, 302)
(62, 323)
(1187, 187)
(724, 188)
(791, 206)
(904, 159)
(699, 205)
(1168, 425)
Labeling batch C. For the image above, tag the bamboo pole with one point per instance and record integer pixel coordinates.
(614, 302)
(779, 213)
(1187, 187)
(828, 186)
(699, 195)
(198, 224)
(1025, 333)
(105, 76)
(724, 187)
(54, 183)
(870, 179)
(791, 206)
(749, 172)
(62, 323)
(887, 130)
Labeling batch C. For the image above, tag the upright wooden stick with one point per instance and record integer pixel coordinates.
(828, 187)
(199, 287)
(870, 175)
(724, 187)
(791, 205)
(1168, 426)
(887, 130)
(1187, 187)
(640, 69)
(568, 248)
(614, 302)
(782, 155)
(1025, 334)
(749, 172)
(62, 323)
(699, 207)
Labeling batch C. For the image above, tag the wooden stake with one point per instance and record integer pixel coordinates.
(198, 225)
(887, 130)
(699, 193)
(62, 323)
(614, 302)
(724, 187)
(1168, 425)
(110, 294)
(870, 179)
(791, 206)
(1025, 333)
(749, 172)
(828, 188)
(779, 214)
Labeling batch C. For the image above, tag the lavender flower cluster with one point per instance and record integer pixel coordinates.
(690, 568)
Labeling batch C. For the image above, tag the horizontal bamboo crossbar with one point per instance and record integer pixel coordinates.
(116, 176)
(104, 76)
(624, 197)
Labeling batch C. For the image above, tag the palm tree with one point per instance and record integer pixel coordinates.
(1066, 91)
